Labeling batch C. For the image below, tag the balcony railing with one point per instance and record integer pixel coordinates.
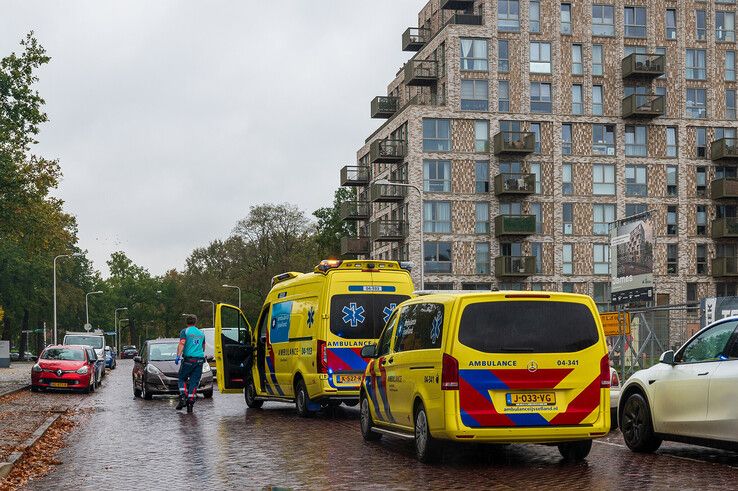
(352, 246)
(725, 228)
(388, 231)
(506, 225)
(385, 193)
(414, 38)
(724, 188)
(421, 72)
(456, 4)
(519, 266)
(642, 65)
(355, 175)
(725, 266)
(724, 149)
(515, 184)
(466, 20)
(643, 106)
(514, 142)
(354, 210)
(387, 151)
(384, 106)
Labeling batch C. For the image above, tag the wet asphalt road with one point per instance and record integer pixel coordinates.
(127, 443)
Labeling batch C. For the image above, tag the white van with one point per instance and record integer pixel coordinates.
(96, 340)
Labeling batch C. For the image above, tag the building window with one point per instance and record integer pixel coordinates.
(701, 211)
(474, 95)
(672, 180)
(696, 64)
(725, 26)
(437, 256)
(730, 104)
(701, 141)
(567, 259)
(601, 296)
(701, 259)
(576, 59)
(481, 136)
(598, 59)
(603, 179)
(535, 210)
(636, 141)
(700, 25)
(672, 146)
(602, 217)
(634, 209)
(436, 135)
(730, 66)
(671, 24)
(535, 128)
(603, 20)
(503, 56)
(692, 296)
(481, 225)
(534, 16)
(672, 259)
(437, 217)
(540, 97)
(482, 258)
(635, 22)
(577, 100)
(540, 57)
(636, 180)
(603, 139)
(566, 139)
(567, 215)
(508, 15)
(601, 257)
(567, 186)
(672, 220)
(567, 287)
(662, 51)
(503, 96)
(437, 176)
(476, 286)
(597, 100)
(535, 169)
(701, 181)
(536, 250)
(565, 18)
(474, 55)
(696, 103)
(481, 176)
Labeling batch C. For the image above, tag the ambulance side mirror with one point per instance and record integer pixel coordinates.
(369, 351)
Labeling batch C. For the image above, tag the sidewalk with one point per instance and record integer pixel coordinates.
(15, 377)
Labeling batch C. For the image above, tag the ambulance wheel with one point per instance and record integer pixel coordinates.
(302, 399)
(575, 451)
(366, 421)
(249, 393)
(427, 448)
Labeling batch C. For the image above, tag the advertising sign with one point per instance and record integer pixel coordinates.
(611, 323)
(716, 308)
(631, 260)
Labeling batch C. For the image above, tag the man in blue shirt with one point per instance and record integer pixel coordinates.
(191, 352)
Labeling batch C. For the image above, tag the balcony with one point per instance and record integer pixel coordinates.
(514, 142)
(354, 210)
(515, 266)
(725, 266)
(456, 4)
(643, 66)
(414, 38)
(725, 188)
(465, 20)
(515, 184)
(643, 106)
(724, 150)
(386, 193)
(421, 72)
(384, 107)
(355, 175)
(725, 228)
(388, 231)
(514, 225)
(387, 151)
(352, 246)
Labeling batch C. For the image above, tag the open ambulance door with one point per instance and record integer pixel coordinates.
(232, 344)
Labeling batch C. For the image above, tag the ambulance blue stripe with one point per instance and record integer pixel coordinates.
(350, 358)
(530, 419)
(382, 385)
(375, 399)
(483, 381)
(274, 377)
(371, 394)
(469, 420)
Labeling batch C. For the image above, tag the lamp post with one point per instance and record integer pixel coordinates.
(239, 293)
(87, 306)
(387, 182)
(120, 328)
(117, 331)
(76, 254)
(211, 302)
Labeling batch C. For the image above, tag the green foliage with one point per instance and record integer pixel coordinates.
(331, 228)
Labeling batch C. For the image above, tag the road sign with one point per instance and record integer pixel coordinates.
(88, 326)
(611, 323)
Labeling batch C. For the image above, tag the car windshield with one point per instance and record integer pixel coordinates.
(94, 341)
(163, 351)
(66, 354)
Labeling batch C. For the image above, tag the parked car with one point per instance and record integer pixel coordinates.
(15, 356)
(96, 340)
(110, 358)
(66, 367)
(614, 397)
(129, 351)
(155, 373)
(689, 396)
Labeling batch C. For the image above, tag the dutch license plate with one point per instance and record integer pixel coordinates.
(58, 384)
(348, 379)
(531, 399)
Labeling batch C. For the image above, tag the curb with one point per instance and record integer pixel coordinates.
(13, 391)
(6, 467)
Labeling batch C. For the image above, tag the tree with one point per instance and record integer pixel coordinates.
(331, 228)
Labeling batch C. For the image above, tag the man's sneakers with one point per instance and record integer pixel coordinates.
(181, 403)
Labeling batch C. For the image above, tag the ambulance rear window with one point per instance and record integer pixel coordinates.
(527, 327)
(362, 316)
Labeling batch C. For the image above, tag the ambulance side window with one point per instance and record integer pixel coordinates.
(263, 323)
(420, 327)
(383, 347)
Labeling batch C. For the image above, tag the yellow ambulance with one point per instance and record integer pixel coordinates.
(504, 367)
(307, 343)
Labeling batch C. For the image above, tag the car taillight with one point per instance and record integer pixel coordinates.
(449, 373)
(605, 372)
(614, 379)
(322, 364)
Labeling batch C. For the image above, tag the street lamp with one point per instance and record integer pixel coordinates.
(120, 328)
(117, 334)
(87, 306)
(210, 301)
(76, 254)
(239, 293)
(387, 182)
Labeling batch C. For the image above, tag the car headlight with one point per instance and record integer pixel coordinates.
(37, 368)
(205, 367)
(152, 369)
(82, 370)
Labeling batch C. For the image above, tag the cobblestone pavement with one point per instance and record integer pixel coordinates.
(15, 377)
(130, 443)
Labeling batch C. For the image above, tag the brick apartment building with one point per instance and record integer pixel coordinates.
(531, 125)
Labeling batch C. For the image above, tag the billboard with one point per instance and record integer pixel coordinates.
(631, 259)
(716, 308)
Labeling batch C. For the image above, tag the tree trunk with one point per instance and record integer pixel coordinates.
(23, 345)
(6, 327)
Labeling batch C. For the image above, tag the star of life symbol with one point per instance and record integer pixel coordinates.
(436, 328)
(353, 314)
(388, 311)
(311, 317)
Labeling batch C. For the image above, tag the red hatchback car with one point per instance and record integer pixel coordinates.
(65, 367)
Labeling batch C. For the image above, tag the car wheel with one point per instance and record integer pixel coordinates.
(427, 448)
(636, 425)
(302, 400)
(575, 451)
(93, 385)
(365, 416)
(249, 393)
(207, 394)
(145, 393)
(34, 388)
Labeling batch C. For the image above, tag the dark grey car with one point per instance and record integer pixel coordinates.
(154, 372)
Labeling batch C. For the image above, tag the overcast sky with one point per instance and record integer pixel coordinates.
(171, 118)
